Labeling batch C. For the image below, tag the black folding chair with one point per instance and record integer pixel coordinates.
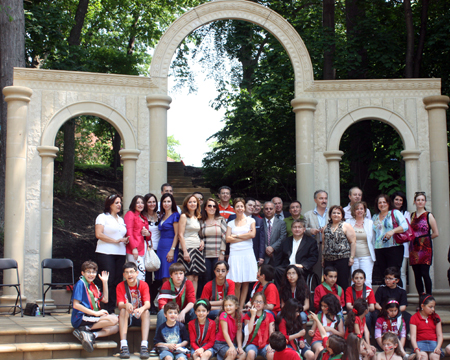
(9, 264)
(56, 264)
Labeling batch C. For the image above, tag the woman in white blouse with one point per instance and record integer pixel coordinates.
(365, 253)
(110, 230)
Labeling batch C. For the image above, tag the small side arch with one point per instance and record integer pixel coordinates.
(371, 113)
(93, 108)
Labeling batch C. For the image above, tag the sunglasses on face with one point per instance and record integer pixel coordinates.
(211, 206)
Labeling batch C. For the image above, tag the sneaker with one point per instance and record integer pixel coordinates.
(77, 334)
(124, 352)
(143, 354)
(153, 352)
(87, 341)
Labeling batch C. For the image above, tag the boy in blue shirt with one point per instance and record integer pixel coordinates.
(88, 319)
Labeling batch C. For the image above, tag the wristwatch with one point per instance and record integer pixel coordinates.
(172, 248)
(222, 252)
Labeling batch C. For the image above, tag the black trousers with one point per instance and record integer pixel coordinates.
(391, 256)
(343, 271)
(422, 271)
(113, 264)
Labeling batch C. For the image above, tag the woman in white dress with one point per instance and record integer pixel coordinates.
(242, 261)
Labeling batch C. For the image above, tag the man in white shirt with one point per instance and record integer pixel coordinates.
(355, 195)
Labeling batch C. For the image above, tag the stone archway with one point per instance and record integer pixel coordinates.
(333, 154)
(257, 14)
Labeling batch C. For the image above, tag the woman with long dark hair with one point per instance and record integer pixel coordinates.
(110, 232)
(168, 227)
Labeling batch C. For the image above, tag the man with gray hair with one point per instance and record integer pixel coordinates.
(316, 220)
(355, 195)
(275, 235)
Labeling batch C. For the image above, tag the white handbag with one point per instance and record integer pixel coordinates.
(151, 260)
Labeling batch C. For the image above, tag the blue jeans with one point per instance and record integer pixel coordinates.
(258, 352)
(161, 319)
(213, 314)
(165, 353)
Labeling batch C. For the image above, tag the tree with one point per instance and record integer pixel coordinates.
(12, 53)
(172, 144)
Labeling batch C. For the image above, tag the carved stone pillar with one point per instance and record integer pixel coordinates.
(158, 106)
(129, 158)
(17, 98)
(333, 159)
(436, 107)
(304, 109)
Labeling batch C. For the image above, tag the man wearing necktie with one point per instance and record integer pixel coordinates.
(279, 213)
(275, 233)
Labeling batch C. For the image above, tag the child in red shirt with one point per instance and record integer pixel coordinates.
(359, 290)
(331, 321)
(265, 277)
(278, 344)
(179, 290)
(260, 325)
(329, 286)
(216, 290)
(202, 332)
(333, 346)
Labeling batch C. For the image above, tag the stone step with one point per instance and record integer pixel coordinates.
(50, 350)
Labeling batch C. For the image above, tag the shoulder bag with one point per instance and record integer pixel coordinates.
(404, 237)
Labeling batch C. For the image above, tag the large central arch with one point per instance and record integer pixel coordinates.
(236, 10)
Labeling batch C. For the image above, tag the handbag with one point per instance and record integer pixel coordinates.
(404, 237)
(151, 260)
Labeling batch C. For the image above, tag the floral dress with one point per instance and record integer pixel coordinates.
(421, 248)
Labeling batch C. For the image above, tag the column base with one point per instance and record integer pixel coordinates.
(442, 297)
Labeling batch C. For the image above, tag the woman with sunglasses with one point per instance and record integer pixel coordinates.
(213, 228)
(421, 248)
(151, 213)
(110, 232)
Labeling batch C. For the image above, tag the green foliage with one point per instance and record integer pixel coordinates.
(172, 144)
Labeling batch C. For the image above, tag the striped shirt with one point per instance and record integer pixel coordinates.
(214, 237)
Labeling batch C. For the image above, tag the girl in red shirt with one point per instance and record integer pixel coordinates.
(426, 330)
(333, 347)
(356, 323)
(329, 319)
(290, 324)
(202, 332)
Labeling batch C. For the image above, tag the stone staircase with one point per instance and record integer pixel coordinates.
(182, 185)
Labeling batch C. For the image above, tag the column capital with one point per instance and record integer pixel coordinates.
(18, 93)
(410, 154)
(436, 102)
(129, 154)
(158, 100)
(299, 104)
(47, 151)
(333, 155)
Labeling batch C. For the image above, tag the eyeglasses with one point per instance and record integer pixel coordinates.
(419, 193)
(151, 223)
(258, 302)
(131, 272)
(113, 195)
(91, 272)
(212, 206)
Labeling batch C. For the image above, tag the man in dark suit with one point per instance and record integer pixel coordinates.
(275, 235)
(258, 240)
(279, 213)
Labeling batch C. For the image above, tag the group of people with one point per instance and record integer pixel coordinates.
(273, 252)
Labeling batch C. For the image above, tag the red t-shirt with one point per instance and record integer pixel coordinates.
(207, 290)
(138, 296)
(190, 295)
(370, 296)
(226, 212)
(263, 332)
(321, 291)
(286, 354)
(317, 336)
(361, 324)
(272, 296)
(232, 327)
(425, 331)
(209, 338)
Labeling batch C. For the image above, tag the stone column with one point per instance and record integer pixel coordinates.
(17, 98)
(158, 105)
(48, 155)
(304, 137)
(411, 158)
(334, 184)
(129, 158)
(436, 107)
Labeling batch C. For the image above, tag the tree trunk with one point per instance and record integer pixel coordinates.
(116, 148)
(68, 166)
(328, 29)
(12, 54)
(68, 174)
(409, 61)
(355, 12)
(422, 35)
